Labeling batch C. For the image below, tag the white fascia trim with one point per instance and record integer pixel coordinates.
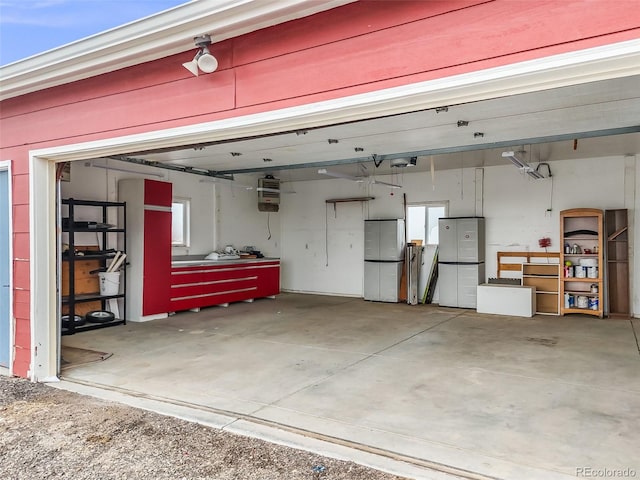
(5, 165)
(599, 63)
(161, 35)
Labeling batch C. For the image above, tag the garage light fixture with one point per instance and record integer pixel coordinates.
(514, 158)
(534, 174)
(521, 164)
(390, 185)
(203, 60)
(330, 173)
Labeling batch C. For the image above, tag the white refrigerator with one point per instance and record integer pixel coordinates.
(461, 265)
(383, 259)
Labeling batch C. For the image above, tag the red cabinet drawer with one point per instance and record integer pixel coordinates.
(199, 288)
(210, 274)
(214, 298)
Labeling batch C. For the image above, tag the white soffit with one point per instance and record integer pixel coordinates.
(157, 36)
(574, 68)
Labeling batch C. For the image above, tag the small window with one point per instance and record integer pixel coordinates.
(434, 213)
(422, 222)
(180, 214)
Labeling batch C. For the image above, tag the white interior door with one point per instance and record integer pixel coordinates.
(4, 268)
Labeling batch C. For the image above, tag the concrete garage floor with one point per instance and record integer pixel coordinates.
(503, 397)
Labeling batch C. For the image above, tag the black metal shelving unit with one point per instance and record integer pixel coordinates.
(72, 228)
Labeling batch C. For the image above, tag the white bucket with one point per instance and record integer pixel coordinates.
(589, 262)
(580, 271)
(582, 301)
(109, 283)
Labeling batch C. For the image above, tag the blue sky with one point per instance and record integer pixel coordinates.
(28, 27)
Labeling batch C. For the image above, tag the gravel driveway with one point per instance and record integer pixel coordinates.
(49, 433)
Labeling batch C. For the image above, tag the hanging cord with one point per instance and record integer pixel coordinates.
(461, 175)
(269, 225)
(544, 164)
(60, 170)
(326, 233)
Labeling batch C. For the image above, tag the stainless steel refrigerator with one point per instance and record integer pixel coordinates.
(461, 265)
(383, 259)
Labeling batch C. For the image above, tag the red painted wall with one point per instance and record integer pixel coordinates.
(357, 48)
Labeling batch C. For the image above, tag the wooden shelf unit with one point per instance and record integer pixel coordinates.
(520, 259)
(582, 220)
(617, 263)
(85, 283)
(546, 278)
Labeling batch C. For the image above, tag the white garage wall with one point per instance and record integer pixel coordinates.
(322, 249)
(203, 202)
(515, 207)
(313, 264)
(240, 223)
(90, 183)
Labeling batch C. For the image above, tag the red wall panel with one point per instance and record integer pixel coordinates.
(21, 361)
(139, 77)
(187, 98)
(21, 310)
(463, 37)
(22, 350)
(21, 246)
(22, 336)
(21, 274)
(21, 219)
(20, 188)
(349, 21)
(21, 296)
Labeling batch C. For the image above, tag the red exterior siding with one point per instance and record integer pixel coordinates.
(357, 48)
(22, 351)
(320, 57)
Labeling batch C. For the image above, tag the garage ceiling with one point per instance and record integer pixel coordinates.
(605, 115)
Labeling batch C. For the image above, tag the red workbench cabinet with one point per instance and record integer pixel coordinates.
(207, 285)
(149, 246)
